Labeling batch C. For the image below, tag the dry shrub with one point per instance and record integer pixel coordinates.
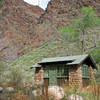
(95, 89)
(20, 96)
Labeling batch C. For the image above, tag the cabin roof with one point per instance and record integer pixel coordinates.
(72, 60)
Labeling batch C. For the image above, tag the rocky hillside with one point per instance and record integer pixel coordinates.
(19, 29)
(29, 31)
(24, 27)
(59, 12)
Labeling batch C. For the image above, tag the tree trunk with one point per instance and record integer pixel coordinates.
(83, 41)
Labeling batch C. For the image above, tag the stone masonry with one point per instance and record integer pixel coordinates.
(75, 75)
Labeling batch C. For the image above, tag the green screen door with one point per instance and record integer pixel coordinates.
(52, 75)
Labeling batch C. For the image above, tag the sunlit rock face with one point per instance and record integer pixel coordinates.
(41, 3)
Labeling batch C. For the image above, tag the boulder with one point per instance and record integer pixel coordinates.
(75, 97)
(56, 92)
(9, 89)
(1, 89)
(37, 92)
(34, 92)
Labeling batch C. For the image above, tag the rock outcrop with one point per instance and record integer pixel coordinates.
(59, 12)
(17, 25)
(19, 31)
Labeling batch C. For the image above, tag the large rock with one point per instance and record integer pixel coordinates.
(1, 89)
(56, 92)
(9, 89)
(37, 92)
(75, 97)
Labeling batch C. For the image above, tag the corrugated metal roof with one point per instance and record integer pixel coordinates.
(75, 59)
(78, 60)
(70, 60)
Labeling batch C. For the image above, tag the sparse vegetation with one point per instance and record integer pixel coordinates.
(88, 20)
(69, 33)
(95, 52)
(80, 25)
(0, 3)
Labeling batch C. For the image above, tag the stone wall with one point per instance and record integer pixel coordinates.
(75, 76)
(38, 78)
(92, 75)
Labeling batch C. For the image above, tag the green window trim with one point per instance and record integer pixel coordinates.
(85, 71)
(62, 71)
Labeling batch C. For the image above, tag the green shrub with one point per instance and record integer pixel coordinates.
(1, 3)
(95, 53)
(1, 66)
(69, 33)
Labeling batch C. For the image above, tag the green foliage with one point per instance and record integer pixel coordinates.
(16, 76)
(1, 67)
(69, 32)
(97, 74)
(88, 10)
(89, 19)
(95, 52)
(1, 64)
(1, 3)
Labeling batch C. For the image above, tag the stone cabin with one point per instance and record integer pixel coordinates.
(65, 70)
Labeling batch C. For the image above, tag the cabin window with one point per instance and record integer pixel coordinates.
(55, 73)
(85, 71)
(62, 72)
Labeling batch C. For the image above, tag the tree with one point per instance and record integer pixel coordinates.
(89, 19)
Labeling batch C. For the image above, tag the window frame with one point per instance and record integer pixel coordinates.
(62, 71)
(85, 71)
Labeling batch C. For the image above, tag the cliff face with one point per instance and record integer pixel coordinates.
(18, 28)
(59, 12)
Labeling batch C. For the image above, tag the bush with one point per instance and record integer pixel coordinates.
(16, 77)
(95, 53)
(69, 33)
